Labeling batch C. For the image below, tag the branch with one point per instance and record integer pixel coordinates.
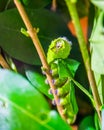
(3, 63)
(33, 34)
(74, 15)
(54, 5)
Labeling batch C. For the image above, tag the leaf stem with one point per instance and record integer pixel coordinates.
(33, 34)
(82, 44)
(84, 90)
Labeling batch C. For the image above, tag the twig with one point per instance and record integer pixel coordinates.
(33, 34)
(3, 63)
(54, 5)
(74, 15)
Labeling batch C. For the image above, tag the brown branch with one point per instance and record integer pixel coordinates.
(33, 34)
(54, 5)
(3, 63)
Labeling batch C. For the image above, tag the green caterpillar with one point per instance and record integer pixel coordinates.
(62, 69)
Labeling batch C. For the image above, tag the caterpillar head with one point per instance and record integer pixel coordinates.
(58, 49)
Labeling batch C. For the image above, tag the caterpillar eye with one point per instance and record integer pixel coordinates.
(59, 45)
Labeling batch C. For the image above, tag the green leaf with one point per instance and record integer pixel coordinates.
(73, 98)
(19, 108)
(97, 122)
(21, 47)
(102, 115)
(36, 3)
(38, 81)
(72, 65)
(60, 125)
(100, 83)
(98, 3)
(87, 123)
(26, 2)
(62, 69)
(22, 107)
(2, 4)
(67, 67)
(97, 45)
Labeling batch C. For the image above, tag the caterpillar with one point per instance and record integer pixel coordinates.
(61, 69)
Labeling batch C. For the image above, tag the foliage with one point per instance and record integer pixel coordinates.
(25, 102)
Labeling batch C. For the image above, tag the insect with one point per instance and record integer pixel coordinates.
(62, 68)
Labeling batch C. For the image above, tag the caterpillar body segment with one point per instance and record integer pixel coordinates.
(61, 71)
